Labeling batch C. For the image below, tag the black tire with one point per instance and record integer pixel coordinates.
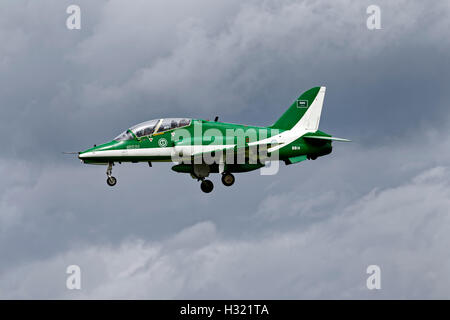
(227, 179)
(207, 186)
(313, 157)
(111, 181)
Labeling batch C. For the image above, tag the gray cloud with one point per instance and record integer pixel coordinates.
(307, 232)
(389, 227)
(245, 62)
(281, 231)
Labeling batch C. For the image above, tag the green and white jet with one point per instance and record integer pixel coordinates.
(200, 147)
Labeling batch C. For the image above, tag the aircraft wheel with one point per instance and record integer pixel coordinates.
(227, 179)
(313, 157)
(111, 181)
(207, 186)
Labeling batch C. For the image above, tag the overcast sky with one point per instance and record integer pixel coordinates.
(308, 232)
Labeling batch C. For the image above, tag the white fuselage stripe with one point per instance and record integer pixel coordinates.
(155, 152)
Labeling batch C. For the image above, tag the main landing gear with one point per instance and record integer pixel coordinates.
(207, 186)
(111, 181)
(227, 179)
(201, 171)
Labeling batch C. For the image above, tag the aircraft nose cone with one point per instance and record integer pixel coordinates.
(81, 156)
(92, 154)
(84, 155)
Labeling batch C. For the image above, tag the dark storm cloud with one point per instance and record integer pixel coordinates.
(64, 90)
(326, 259)
(244, 62)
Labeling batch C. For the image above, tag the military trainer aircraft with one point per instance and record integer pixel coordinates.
(200, 147)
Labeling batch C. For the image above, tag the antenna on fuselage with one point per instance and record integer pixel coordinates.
(216, 118)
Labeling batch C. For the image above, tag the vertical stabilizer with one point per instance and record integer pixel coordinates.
(304, 113)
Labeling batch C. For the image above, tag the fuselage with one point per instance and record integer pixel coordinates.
(158, 140)
(201, 147)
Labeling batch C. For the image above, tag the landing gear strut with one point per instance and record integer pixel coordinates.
(111, 181)
(200, 172)
(227, 179)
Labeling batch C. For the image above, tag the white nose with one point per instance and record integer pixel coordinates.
(85, 155)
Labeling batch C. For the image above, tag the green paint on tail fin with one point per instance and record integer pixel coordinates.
(296, 110)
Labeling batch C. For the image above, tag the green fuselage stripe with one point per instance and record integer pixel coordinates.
(209, 129)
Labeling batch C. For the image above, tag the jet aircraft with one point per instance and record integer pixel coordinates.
(201, 147)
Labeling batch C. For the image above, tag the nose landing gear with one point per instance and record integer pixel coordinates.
(111, 181)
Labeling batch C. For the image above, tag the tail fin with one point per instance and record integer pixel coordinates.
(304, 113)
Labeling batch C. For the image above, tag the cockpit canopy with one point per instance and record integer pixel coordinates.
(153, 126)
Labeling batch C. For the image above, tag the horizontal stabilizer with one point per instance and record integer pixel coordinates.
(327, 138)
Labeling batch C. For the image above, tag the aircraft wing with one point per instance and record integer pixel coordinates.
(196, 148)
(272, 143)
